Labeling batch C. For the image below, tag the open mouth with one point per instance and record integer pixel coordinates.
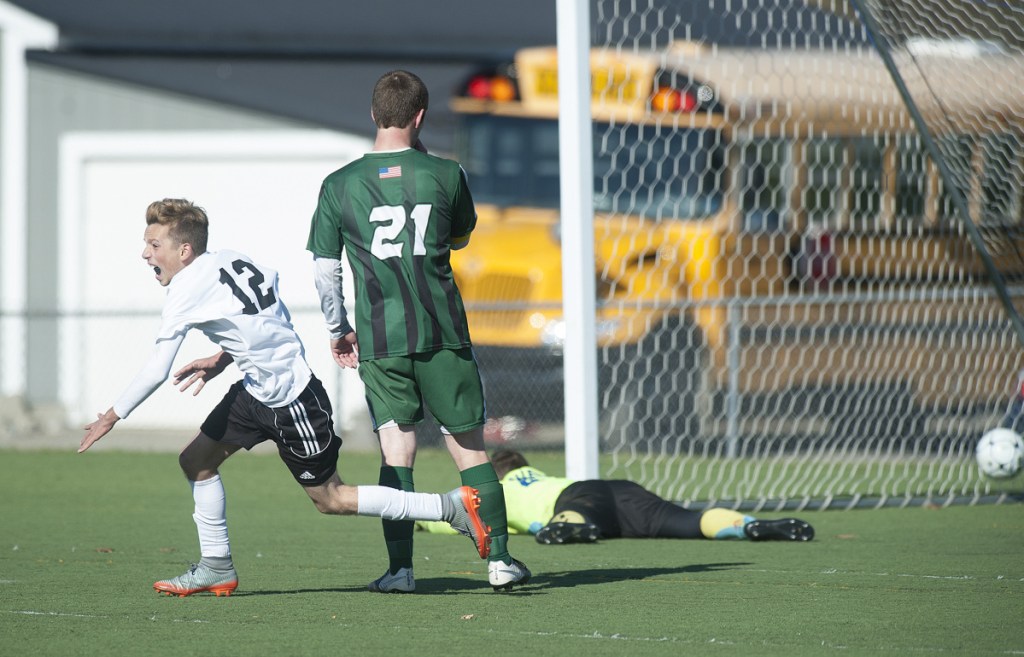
(157, 270)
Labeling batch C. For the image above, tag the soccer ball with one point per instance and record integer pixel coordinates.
(1000, 453)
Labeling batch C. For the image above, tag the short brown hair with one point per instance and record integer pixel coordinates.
(187, 222)
(506, 460)
(397, 97)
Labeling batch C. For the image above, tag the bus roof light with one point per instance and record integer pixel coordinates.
(503, 89)
(492, 87)
(667, 99)
(479, 87)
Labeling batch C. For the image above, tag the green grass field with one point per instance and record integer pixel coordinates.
(84, 536)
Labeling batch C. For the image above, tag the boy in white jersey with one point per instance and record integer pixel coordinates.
(235, 303)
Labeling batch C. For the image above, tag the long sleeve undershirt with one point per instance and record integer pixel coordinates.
(332, 300)
(149, 378)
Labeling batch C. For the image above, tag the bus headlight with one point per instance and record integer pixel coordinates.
(552, 335)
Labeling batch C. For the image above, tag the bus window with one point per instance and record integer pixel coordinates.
(957, 152)
(1000, 204)
(544, 162)
(866, 184)
(648, 171)
(826, 159)
(513, 150)
(766, 179)
(911, 181)
(511, 161)
(658, 172)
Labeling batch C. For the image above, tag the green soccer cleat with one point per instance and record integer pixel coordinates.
(199, 578)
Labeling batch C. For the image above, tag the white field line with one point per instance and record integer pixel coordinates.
(28, 612)
(32, 612)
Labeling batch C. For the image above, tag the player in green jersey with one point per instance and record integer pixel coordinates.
(397, 212)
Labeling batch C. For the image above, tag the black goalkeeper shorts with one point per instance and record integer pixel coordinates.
(620, 508)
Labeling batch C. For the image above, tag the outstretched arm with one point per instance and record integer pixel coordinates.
(96, 430)
(202, 370)
(145, 383)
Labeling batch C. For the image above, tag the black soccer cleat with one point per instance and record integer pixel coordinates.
(558, 533)
(784, 529)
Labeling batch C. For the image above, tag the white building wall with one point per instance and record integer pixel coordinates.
(63, 102)
(272, 197)
(259, 190)
(19, 30)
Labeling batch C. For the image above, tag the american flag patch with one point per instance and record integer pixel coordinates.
(389, 172)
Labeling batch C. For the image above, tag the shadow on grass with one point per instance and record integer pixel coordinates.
(538, 583)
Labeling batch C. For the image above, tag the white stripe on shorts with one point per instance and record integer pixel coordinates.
(303, 426)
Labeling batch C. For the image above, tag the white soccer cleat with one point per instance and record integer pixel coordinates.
(400, 582)
(504, 576)
(198, 579)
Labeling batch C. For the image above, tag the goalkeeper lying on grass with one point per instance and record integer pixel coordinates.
(558, 510)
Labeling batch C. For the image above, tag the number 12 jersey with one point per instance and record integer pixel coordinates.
(236, 304)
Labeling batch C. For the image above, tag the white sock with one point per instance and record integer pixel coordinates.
(211, 517)
(393, 504)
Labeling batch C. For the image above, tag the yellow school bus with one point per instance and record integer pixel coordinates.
(721, 175)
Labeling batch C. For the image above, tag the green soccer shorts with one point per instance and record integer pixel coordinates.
(447, 381)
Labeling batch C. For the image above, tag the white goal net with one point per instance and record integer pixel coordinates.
(793, 309)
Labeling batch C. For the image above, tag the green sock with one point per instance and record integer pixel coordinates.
(398, 533)
(492, 507)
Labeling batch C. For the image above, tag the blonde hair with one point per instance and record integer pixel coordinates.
(187, 222)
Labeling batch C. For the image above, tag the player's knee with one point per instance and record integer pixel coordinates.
(324, 506)
(332, 507)
(330, 500)
(196, 468)
(188, 465)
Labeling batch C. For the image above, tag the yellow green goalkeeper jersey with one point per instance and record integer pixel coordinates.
(530, 498)
(529, 501)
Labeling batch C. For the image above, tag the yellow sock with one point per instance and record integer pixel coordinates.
(569, 516)
(722, 523)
